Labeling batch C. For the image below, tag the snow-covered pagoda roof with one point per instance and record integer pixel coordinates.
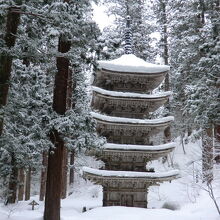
(131, 94)
(130, 63)
(145, 153)
(131, 174)
(111, 146)
(132, 120)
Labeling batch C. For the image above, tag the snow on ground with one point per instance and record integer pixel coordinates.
(187, 196)
(72, 210)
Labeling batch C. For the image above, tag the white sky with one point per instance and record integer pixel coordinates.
(101, 17)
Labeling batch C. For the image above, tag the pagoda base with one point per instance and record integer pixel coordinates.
(129, 197)
(126, 188)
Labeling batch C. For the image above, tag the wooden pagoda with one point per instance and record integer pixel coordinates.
(121, 104)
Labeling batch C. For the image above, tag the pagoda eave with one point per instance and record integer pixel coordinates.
(147, 154)
(117, 103)
(125, 81)
(141, 154)
(162, 124)
(147, 74)
(104, 177)
(162, 147)
(122, 156)
(131, 95)
(104, 119)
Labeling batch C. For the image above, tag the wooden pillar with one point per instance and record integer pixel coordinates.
(43, 175)
(28, 184)
(105, 196)
(21, 178)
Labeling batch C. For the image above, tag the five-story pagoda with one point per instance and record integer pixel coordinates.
(122, 103)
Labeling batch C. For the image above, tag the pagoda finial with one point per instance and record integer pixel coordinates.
(128, 36)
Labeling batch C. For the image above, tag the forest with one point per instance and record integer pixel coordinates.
(49, 53)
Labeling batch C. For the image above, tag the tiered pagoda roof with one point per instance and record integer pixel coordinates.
(111, 102)
(127, 150)
(129, 73)
(121, 103)
(129, 63)
(104, 176)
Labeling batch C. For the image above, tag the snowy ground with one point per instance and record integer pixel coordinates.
(72, 210)
(190, 200)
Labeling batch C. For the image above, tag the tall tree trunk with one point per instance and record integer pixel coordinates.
(167, 132)
(56, 154)
(28, 184)
(43, 176)
(21, 178)
(13, 181)
(217, 143)
(64, 175)
(13, 20)
(70, 104)
(215, 10)
(54, 178)
(65, 160)
(207, 155)
(72, 159)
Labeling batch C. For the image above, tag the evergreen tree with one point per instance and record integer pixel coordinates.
(29, 116)
(186, 37)
(14, 143)
(203, 93)
(194, 49)
(72, 29)
(141, 28)
(160, 7)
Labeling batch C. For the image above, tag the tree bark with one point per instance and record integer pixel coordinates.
(43, 176)
(207, 155)
(217, 143)
(54, 178)
(70, 86)
(64, 175)
(65, 160)
(72, 159)
(13, 20)
(21, 178)
(167, 132)
(28, 184)
(56, 154)
(13, 181)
